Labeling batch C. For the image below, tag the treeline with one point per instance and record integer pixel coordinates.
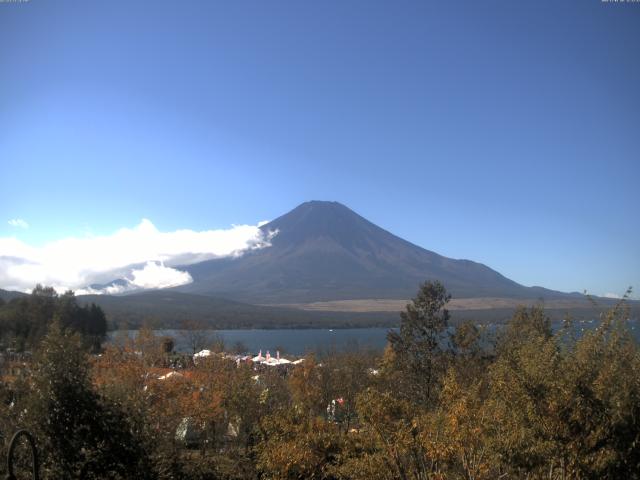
(25, 320)
(529, 404)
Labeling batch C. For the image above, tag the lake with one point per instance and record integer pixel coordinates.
(292, 341)
(301, 341)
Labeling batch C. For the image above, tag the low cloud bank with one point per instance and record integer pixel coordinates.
(612, 295)
(142, 257)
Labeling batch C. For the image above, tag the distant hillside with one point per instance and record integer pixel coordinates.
(168, 309)
(324, 251)
(7, 295)
(165, 308)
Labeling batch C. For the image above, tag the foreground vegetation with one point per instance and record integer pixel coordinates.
(528, 404)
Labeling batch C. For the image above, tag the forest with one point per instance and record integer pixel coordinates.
(25, 319)
(527, 403)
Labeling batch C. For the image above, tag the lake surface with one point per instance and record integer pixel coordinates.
(292, 341)
(301, 341)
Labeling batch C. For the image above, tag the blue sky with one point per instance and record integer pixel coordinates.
(503, 132)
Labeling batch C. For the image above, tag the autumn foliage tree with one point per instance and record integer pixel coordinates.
(569, 408)
(439, 403)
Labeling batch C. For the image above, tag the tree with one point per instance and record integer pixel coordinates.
(305, 385)
(150, 347)
(563, 409)
(89, 320)
(153, 413)
(81, 435)
(471, 356)
(242, 404)
(24, 321)
(195, 335)
(417, 346)
(298, 447)
(168, 344)
(525, 324)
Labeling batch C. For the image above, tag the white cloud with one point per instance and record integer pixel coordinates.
(142, 255)
(18, 223)
(612, 295)
(156, 275)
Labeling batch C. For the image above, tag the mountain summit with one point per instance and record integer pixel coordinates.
(325, 251)
(330, 221)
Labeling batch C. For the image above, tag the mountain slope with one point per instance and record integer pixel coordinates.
(325, 251)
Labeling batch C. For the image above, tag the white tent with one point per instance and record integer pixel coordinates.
(203, 353)
(273, 362)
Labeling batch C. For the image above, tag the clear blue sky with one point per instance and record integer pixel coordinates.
(500, 131)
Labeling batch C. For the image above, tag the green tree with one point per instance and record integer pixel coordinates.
(81, 435)
(417, 346)
(88, 320)
(24, 321)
